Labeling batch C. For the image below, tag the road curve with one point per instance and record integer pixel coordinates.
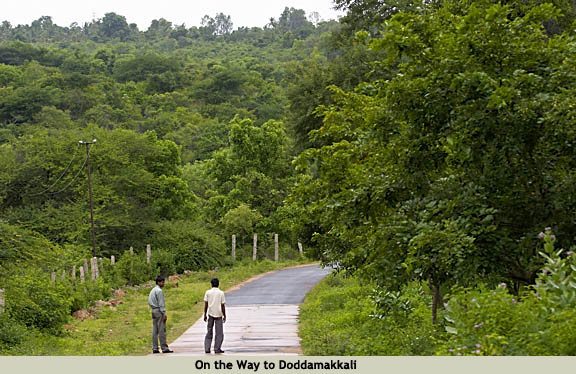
(287, 286)
(262, 316)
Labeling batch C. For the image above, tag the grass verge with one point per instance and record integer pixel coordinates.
(338, 318)
(127, 330)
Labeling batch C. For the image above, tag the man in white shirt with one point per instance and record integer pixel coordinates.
(215, 315)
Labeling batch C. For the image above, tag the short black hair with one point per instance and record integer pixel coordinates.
(159, 279)
(215, 282)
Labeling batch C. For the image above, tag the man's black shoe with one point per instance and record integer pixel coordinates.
(155, 351)
(220, 351)
(167, 351)
(207, 352)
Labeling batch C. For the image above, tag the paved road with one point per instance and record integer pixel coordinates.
(262, 316)
(288, 286)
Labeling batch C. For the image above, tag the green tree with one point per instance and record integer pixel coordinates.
(370, 15)
(159, 29)
(445, 172)
(21, 104)
(241, 221)
(113, 26)
(140, 68)
(252, 170)
(224, 24)
(295, 21)
(136, 181)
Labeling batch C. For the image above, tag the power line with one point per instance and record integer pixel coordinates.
(57, 180)
(72, 181)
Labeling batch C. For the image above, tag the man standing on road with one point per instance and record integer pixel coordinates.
(214, 314)
(156, 302)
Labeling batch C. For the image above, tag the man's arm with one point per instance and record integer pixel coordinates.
(223, 312)
(205, 310)
(162, 305)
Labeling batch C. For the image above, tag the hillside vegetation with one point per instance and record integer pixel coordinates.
(190, 148)
(424, 148)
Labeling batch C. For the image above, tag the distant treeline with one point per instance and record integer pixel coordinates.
(115, 27)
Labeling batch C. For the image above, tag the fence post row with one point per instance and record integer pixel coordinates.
(97, 265)
(255, 248)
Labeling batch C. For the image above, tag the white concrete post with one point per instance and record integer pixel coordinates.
(85, 264)
(234, 246)
(276, 247)
(96, 267)
(53, 277)
(112, 260)
(255, 249)
(81, 274)
(131, 264)
(148, 253)
(300, 249)
(92, 269)
(2, 302)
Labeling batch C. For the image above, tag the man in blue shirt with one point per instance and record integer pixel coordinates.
(156, 302)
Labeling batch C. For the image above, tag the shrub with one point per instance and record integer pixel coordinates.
(193, 247)
(18, 246)
(541, 321)
(32, 300)
(84, 294)
(557, 335)
(12, 333)
(485, 321)
(134, 269)
(341, 317)
(164, 262)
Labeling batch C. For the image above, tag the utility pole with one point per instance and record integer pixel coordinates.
(87, 144)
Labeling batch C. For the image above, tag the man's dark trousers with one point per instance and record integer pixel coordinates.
(219, 334)
(158, 330)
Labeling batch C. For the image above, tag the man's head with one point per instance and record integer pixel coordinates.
(215, 282)
(160, 281)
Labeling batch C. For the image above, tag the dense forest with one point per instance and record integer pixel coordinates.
(425, 145)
